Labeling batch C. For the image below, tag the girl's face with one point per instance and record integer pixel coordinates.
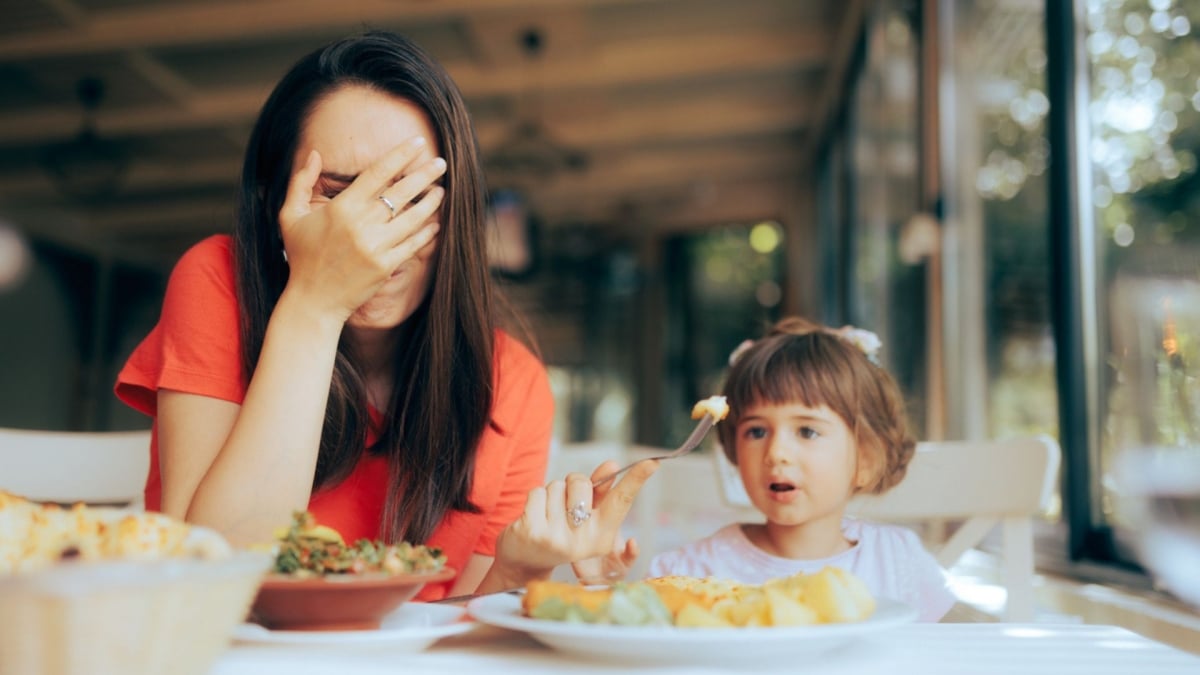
(352, 128)
(798, 464)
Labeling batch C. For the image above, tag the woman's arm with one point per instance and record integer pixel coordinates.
(243, 470)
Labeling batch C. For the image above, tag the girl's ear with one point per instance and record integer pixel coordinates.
(866, 471)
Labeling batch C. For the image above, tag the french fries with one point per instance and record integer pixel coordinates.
(832, 595)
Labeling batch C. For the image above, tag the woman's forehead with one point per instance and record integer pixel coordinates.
(354, 126)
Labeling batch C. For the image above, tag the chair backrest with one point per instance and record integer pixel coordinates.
(582, 457)
(984, 484)
(967, 479)
(681, 503)
(104, 467)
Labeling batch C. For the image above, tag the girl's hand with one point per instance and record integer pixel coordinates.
(340, 251)
(545, 536)
(609, 569)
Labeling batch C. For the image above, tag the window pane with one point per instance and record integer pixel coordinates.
(996, 179)
(1144, 115)
(724, 285)
(887, 290)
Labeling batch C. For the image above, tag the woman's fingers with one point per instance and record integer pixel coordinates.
(410, 187)
(556, 505)
(411, 216)
(413, 212)
(535, 506)
(299, 192)
(606, 467)
(379, 176)
(412, 246)
(578, 500)
(620, 497)
(579, 490)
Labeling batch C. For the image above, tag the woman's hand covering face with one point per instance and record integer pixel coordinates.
(342, 251)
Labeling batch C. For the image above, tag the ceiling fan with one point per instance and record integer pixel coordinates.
(530, 152)
(87, 166)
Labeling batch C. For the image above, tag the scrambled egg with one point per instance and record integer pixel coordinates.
(716, 406)
(33, 535)
(832, 595)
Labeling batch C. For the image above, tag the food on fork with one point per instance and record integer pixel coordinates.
(35, 535)
(832, 595)
(713, 405)
(307, 549)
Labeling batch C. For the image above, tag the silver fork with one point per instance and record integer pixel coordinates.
(692, 442)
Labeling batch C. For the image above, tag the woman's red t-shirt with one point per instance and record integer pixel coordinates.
(195, 348)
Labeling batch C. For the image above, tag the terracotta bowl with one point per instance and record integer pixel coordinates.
(337, 602)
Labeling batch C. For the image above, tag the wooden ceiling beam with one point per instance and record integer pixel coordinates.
(211, 109)
(614, 66)
(681, 120)
(141, 177)
(152, 26)
(705, 141)
(562, 33)
(743, 200)
(185, 216)
(652, 60)
(678, 120)
(589, 197)
(640, 173)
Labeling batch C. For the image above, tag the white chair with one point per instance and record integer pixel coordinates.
(104, 467)
(582, 457)
(984, 484)
(681, 503)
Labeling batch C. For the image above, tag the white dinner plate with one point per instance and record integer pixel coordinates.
(412, 627)
(669, 645)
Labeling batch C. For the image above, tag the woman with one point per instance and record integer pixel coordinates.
(340, 353)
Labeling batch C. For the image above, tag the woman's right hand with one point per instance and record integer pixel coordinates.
(545, 536)
(342, 248)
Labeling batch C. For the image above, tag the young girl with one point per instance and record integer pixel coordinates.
(813, 422)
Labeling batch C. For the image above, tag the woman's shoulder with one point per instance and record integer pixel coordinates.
(522, 384)
(210, 258)
(215, 249)
(513, 352)
(515, 365)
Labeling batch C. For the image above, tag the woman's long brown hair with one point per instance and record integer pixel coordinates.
(442, 390)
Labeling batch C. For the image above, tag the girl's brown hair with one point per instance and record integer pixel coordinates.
(799, 361)
(442, 392)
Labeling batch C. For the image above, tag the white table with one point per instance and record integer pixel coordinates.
(923, 649)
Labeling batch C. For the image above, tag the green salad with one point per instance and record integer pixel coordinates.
(306, 549)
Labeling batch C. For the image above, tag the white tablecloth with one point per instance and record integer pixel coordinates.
(923, 649)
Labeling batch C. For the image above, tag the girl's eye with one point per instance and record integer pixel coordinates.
(755, 433)
(809, 433)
